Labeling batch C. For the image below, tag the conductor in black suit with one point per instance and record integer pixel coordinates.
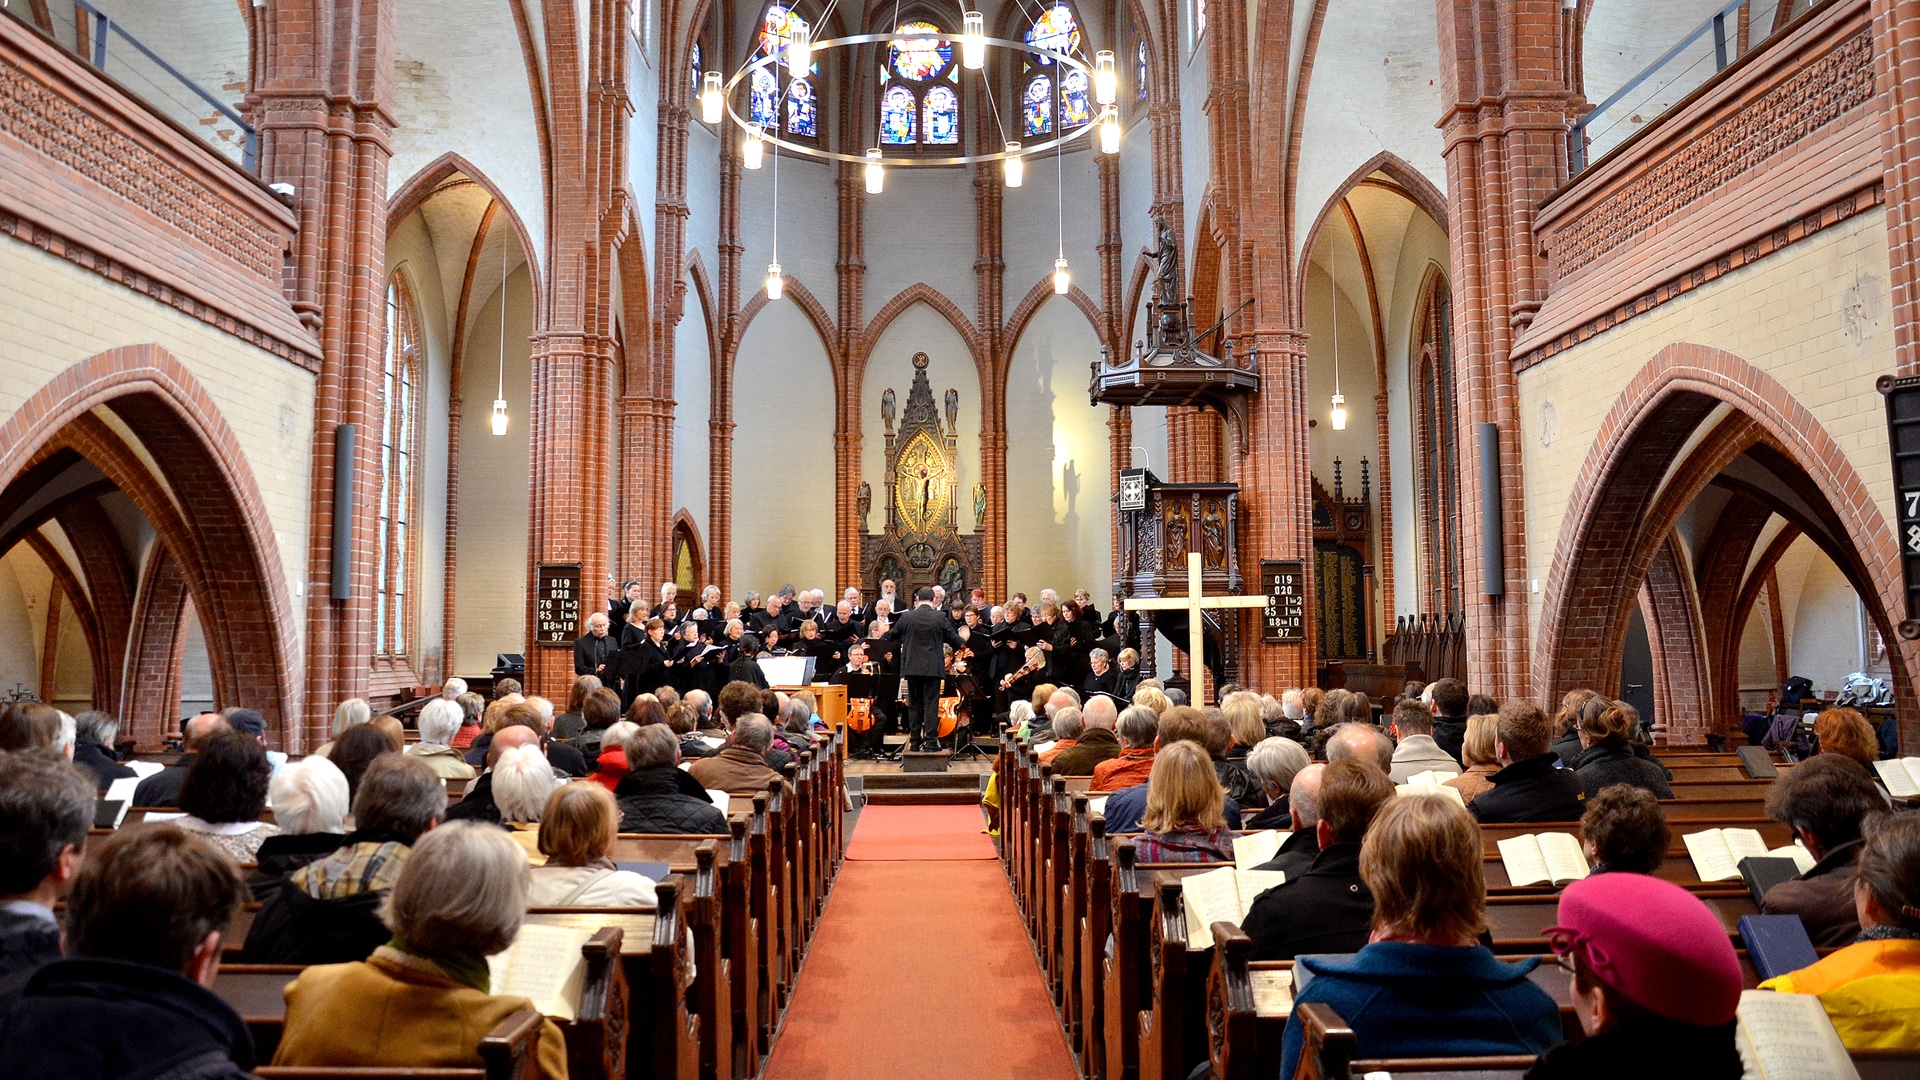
(922, 634)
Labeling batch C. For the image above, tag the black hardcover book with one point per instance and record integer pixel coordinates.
(1762, 874)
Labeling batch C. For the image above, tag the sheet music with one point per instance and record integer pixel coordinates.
(1428, 783)
(1222, 895)
(144, 769)
(1789, 1037)
(1713, 857)
(1565, 861)
(1252, 849)
(1744, 843)
(1803, 859)
(544, 966)
(1901, 775)
(1526, 864)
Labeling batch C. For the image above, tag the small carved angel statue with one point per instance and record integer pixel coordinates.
(864, 502)
(887, 410)
(953, 408)
(979, 507)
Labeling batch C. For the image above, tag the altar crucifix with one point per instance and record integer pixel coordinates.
(1196, 603)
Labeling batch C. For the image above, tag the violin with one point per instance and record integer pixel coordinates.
(1025, 670)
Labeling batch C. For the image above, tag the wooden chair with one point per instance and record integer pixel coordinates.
(507, 1053)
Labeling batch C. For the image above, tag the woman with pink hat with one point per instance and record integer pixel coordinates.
(1655, 983)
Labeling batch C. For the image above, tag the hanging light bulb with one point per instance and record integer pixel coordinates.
(1339, 413)
(1106, 80)
(499, 416)
(876, 172)
(799, 50)
(712, 98)
(1062, 281)
(500, 391)
(755, 146)
(1015, 166)
(973, 40)
(776, 284)
(1110, 131)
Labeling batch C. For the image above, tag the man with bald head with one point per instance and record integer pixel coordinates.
(1363, 741)
(1303, 805)
(163, 787)
(519, 730)
(1097, 742)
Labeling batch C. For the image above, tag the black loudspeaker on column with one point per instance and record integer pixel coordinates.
(1493, 561)
(342, 573)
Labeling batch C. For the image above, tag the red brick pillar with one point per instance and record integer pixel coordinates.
(1896, 54)
(323, 102)
(1505, 127)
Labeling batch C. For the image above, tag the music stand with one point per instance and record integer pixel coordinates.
(964, 745)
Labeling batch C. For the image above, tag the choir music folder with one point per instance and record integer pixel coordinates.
(1776, 944)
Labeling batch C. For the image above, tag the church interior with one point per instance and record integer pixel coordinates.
(1533, 385)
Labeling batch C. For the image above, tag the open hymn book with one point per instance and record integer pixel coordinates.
(1901, 775)
(544, 965)
(1717, 853)
(1252, 849)
(1789, 1037)
(1431, 783)
(1546, 858)
(1222, 895)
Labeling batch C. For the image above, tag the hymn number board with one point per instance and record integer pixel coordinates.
(1903, 439)
(556, 604)
(1285, 618)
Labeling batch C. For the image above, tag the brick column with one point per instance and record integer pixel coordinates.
(323, 105)
(1896, 54)
(1506, 150)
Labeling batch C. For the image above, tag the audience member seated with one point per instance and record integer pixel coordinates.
(570, 724)
(225, 791)
(1061, 697)
(1529, 786)
(1152, 696)
(29, 725)
(1139, 727)
(131, 1000)
(684, 720)
(1096, 742)
(94, 733)
(1355, 739)
(1845, 732)
(599, 711)
(1655, 984)
(612, 765)
(522, 780)
(740, 768)
(420, 1000)
(1126, 808)
(1416, 750)
(577, 828)
(327, 911)
(737, 701)
(163, 787)
(1221, 741)
(526, 712)
(1326, 908)
(471, 708)
(1624, 831)
(1067, 729)
(1477, 753)
(349, 714)
(1566, 724)
(46, 807)
(1606, 737)
(1184, 819)
(1282, 715)
(1297, 851)
(479, 803)
(310, 803)
(1274, 762)
(357, 750)
(1823, 800)
(1871, 989)
(1424, 986)
(439, 722)
(1448, 700)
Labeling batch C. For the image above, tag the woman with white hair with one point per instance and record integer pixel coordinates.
(1274, 762)
(309, 799)
(350, 713)
(421, 1000)
(439, 722)
(522, 781)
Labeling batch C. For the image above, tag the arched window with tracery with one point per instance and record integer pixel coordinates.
(1436, 452)
(919, 98)
(1053, 98)
(767, 100)
(399, 432)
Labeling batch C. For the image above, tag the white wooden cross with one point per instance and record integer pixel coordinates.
(1194, 603)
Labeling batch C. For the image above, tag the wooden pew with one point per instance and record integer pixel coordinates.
(594, 1048)
(1138, 960)
(1330, 1050)
(508, 1052)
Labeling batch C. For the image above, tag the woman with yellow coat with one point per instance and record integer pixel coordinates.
(1871, 989)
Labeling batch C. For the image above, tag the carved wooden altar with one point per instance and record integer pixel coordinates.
(1159, 524)
(1343, 568)
(920, 543)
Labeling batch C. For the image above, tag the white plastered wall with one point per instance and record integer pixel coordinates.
(783, 464)
(411, 251)
(1059, 510)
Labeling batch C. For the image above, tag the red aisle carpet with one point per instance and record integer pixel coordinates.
(920, 833)
(920, 971)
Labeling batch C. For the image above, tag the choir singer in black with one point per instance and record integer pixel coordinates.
(921, 633)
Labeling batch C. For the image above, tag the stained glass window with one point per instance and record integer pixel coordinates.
(802, 118)
(943, 116)
(398, 410)
(1075, 109)
(1055, 30)
(921, 60)
(896, 115)
(775, 28)
(1140, 69)
(694, 62)
(1037, 106)
(763, 100)
(1199, 21)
